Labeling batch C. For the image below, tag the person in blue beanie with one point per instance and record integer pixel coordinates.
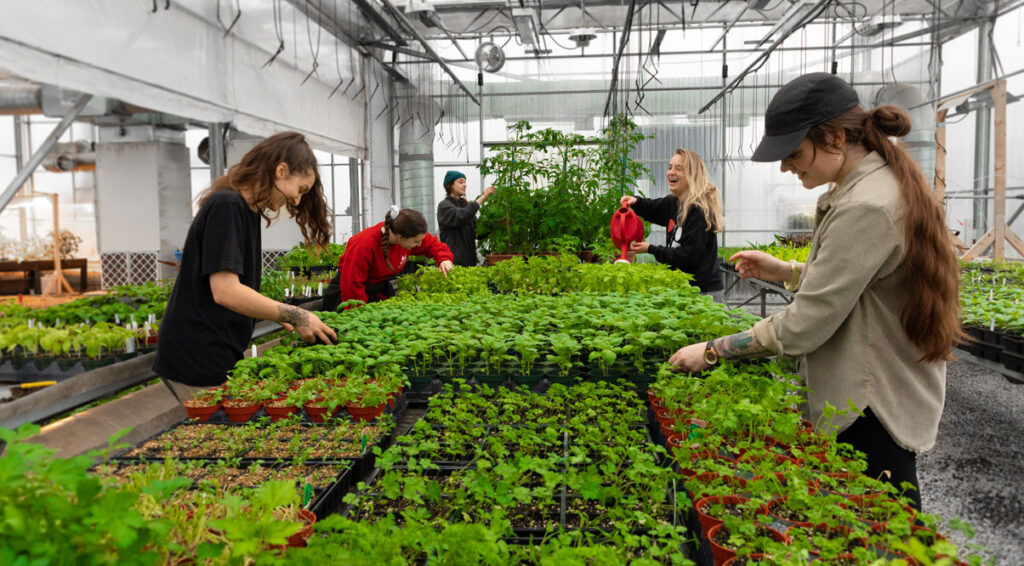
(456, 218)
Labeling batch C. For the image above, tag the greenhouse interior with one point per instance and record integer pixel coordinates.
(534, 282)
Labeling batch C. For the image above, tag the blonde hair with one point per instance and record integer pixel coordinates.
(700, 192)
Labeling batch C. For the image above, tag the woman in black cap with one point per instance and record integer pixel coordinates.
(456, 218)
(693, 215)
(876, 309)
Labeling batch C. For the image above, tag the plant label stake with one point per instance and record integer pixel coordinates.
(307, 494)
(319, 289)
(117, 319)
(253, 350)
(129, 345)
(626, 228)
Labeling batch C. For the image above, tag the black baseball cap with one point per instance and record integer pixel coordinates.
(802, 103)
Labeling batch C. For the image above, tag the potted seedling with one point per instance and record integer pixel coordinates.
(204, 404)
(365, 399)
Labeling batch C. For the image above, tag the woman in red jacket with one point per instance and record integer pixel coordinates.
(373, 257)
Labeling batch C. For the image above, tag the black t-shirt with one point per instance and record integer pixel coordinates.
(199, 339)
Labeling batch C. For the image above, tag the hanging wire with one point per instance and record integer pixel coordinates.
(892, 42)
(279, 31)
(337, 62)
(238, 14)
(309, 37)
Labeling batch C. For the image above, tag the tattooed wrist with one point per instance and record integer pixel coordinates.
(293, 316)
(739, 346)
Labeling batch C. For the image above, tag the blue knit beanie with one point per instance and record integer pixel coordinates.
(451, 177)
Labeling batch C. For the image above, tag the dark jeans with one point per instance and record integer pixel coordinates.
(869, 436)
(374, 292)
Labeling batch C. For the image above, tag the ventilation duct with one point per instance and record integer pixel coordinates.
(416, 157)
(20, 98)
(920, 142)
(73, 156)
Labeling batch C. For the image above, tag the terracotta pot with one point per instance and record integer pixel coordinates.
(758, 557)
(736, 483)
(497, 258)
(196, 409)
(723, 554)
(318, 413)
(848, 476)
(868, 501)
(707, 521)
(840, 531)
(300, 538)
(240, 411)
(364, 414)
(772, 506)
(278, 413)
(677, 441)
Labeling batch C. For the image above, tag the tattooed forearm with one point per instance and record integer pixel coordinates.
(293, 316)
(739, 346)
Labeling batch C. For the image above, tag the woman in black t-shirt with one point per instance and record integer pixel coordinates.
(212, 310)
(693, 214)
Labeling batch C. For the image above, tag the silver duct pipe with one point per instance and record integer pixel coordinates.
(920, 142)
(416, 158)
(71, 156)
(20, 98)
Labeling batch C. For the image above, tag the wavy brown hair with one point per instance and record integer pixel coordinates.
(931, 277)
(256, 172)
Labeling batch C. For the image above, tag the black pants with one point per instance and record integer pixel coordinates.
(883, 454)
(374, 292)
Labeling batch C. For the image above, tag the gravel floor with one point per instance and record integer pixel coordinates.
(979, 457)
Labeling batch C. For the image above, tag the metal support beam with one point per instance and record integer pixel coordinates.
(982, 131)
(216, 148)
(44, 149)
(618, 55)
(404, 22)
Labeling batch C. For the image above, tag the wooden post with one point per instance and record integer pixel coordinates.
(999, 157)
(58, 283)
(1000, 232)
(940, 155)
(940, 169)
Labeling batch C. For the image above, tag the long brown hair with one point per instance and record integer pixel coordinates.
(700, 192)
(931, 276)
(256, 172)
(407, 224)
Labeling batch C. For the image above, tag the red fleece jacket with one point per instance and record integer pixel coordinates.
(363, 262)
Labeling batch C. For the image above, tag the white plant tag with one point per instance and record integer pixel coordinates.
(117, 319)
(31, 323)
(319, 289)
(992, 325)
(129, 344)
(253, 350)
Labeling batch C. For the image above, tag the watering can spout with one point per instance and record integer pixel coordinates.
(626, 228)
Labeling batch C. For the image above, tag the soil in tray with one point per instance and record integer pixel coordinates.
(316, 442)
(317, 476)
(120, 471)
(195, 441)
(230, 477)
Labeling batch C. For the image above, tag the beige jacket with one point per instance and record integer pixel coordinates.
(844, 322)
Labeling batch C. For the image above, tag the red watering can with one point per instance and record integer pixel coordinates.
(626, 228)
